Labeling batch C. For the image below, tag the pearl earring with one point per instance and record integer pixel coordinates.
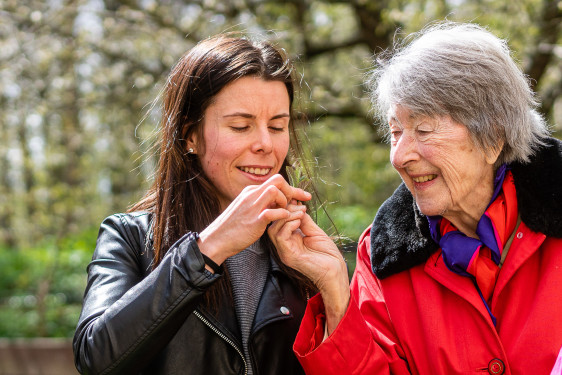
(190, 150)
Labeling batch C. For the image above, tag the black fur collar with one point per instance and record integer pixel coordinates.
(400, 237)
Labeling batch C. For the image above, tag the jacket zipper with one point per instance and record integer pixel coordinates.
(221, 335)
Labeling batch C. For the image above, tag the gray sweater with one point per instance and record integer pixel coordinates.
(248, 272)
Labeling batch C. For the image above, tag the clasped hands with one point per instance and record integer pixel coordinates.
(301, 244)
(305, 247)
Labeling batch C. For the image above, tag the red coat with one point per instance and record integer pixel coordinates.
(425, 319)
(429, 320)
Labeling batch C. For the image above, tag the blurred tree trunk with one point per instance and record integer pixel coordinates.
(549, 26)
(65, 174)
(542, 51)
(7, 237)
(375, 32)
(28, 175)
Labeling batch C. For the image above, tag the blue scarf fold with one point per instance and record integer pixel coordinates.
(459, 250)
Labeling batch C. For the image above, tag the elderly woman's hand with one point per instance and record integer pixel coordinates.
(303, 246)
(246, 218)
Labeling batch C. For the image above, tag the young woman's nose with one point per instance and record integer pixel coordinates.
(404, 151)
(262, 140)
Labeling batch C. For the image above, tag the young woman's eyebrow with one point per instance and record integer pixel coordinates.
(248, 115)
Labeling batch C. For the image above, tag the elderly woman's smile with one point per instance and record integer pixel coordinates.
(438, 162)
(424, 178)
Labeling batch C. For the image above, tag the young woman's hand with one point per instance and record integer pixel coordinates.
(246, 218)
(303, 246)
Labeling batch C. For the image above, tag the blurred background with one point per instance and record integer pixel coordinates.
(78, 83)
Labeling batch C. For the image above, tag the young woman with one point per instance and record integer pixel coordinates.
(187, 282)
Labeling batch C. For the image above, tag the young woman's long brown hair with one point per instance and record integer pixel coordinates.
(182, 199)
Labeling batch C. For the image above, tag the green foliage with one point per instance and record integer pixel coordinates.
(78, 117)
(41, 287)
(350, 259)
(354, 174)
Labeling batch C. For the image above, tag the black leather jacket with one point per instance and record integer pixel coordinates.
(137, 321)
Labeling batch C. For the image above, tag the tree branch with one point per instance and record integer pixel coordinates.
(550, 96)
(549, 31)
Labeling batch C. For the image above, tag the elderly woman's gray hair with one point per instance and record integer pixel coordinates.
(463, 71)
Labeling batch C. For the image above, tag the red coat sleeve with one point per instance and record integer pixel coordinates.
(364, 342)
(557, 369)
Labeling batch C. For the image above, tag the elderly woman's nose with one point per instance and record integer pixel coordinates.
(404, 151)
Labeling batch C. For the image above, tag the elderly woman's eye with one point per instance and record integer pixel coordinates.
(395, 135)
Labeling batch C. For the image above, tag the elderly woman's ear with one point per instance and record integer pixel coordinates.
(493, 153)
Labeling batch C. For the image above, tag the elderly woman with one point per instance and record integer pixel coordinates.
(461, 270)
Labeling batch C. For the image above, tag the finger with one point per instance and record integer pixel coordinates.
(273, 229)
(293, 193)
(295, 215)
(309, 227)
(272, 197)
(288, 229)
(300, 194)
(272, 214)
(289, 191)
(277, 224)
(280, 214)
(296, 207)
(289, 242)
